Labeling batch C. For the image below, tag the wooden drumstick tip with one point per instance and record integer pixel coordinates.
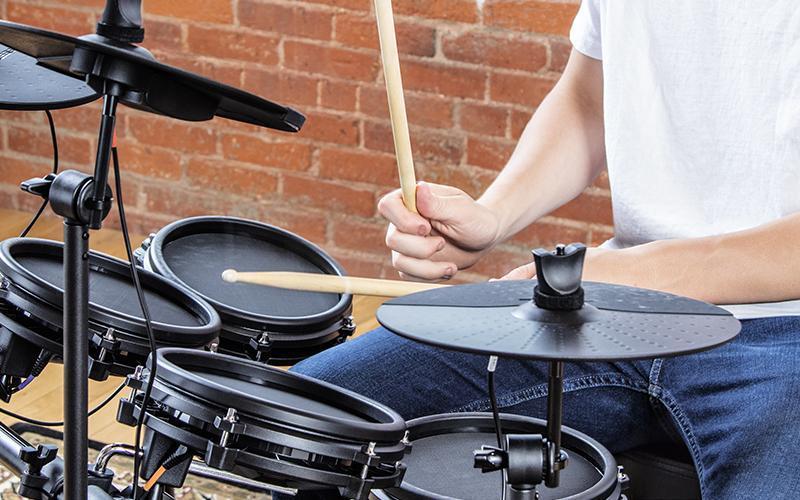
(230, 275)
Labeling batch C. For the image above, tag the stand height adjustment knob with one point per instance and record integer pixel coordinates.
(32, 482)
(559, 276)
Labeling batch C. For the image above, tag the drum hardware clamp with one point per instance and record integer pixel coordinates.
(260, 347)
(219, 455)
(127, 407)
(370, 453)
(140, 254)
(108, 344)
(32, 481)
(348, 328)
(228, 425)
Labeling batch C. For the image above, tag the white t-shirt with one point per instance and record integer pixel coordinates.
(702, 116)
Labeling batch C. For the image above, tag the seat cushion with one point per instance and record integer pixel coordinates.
(662, 472)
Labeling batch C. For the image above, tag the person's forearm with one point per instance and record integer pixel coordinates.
(559, 154)
(756, 265)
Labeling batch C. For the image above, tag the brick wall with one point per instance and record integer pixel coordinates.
(474, 72)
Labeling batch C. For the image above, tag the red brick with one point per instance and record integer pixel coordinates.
(233, 44)
(286, 19)
(39, 143)
(361, 5)
(153, 162)
(519, 89)
(422, 110)
(477, 47)
(358, 166)
(367, 266)
(164, 35)
(500, 262)
(444, 79)
(62, 20)
(312, 226)
(330, 61)
(588, 207)
(483, 119)
(519, 120)
(358, 235)
(219, 175)
(488, 154)
(250, 149)
(181, 202)
(361, 31)
(427, 145)
(329, 196)
(560, 49)
(338, 95)
(465, 11)
(13, 170)
(215, 11)
(331, 128)
(166, 132)
(281, 87)
(602, 181)
(530, 16)
(82, 118)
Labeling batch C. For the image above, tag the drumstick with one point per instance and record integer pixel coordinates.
(397, 102)
(312, 282)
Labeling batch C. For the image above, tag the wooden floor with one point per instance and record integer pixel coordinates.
(42, 399)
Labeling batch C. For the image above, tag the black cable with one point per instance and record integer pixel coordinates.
(498, 429)
(53, 137)
(41, 423)
(145, 312)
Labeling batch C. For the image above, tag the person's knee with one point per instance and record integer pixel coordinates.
(354, 365)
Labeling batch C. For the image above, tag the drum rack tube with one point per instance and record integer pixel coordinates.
(196, 468)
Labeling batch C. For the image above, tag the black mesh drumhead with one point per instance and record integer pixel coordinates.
(199, 260)
(34, 269)
(196, 251)
(113, 291)
(277, 395)
(443, 465)
(440, 465)
(271, 395)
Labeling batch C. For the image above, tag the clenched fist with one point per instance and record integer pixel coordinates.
(451, 232)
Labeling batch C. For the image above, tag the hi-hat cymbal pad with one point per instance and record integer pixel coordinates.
(616, 322)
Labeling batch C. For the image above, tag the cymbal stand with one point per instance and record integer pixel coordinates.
(83, 201)
(527, 460)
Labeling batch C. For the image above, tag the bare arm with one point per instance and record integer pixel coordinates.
(559, 154)
(761, 264)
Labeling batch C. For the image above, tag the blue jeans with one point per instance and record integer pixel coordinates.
(736, 408)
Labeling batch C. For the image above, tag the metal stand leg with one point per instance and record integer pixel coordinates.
(76, 354)
(555, 396)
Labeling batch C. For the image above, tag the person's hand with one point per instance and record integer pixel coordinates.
(450, 232)
(599, 265)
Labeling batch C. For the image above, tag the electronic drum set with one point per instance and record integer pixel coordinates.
(215, 406)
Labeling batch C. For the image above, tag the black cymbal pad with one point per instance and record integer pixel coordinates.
(27, 86)
(617, 322)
